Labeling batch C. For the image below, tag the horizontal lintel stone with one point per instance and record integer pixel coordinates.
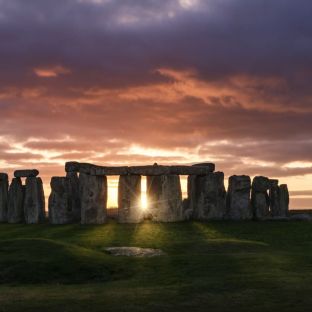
(152, 170)
(26, 173)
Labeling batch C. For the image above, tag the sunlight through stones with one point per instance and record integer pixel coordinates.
(81, 195)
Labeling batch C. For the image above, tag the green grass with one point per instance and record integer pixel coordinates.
(217, 266)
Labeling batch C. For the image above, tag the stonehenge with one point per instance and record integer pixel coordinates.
(80, 196)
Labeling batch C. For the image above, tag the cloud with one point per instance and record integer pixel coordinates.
(227, 81)
(53, 71)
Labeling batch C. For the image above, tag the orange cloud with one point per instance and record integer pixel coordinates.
(50, 72)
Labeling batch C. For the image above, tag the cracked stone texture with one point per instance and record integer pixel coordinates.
(34, 202)
(129, 199)
(16, 201)
(207, 196)
(238, 198)
(164, 198)
(93, 195)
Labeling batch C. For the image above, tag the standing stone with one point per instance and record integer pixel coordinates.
(129, 199)
(74, 194)
(60, 206)
(4, 185)
(93, 195)
(283, 200)
(259, 198)
(207, 196)
(164, 198)
(34, 203)
(16, 202)
(238, 204)
(274, 194)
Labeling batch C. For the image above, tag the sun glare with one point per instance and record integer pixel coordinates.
(144, 203)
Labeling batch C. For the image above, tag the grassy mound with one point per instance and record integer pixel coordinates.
(223, 266)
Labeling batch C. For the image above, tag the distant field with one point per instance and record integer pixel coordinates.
(217, 266)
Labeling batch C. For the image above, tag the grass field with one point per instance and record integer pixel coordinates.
(217, 266)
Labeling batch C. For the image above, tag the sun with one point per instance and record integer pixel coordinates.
(144, 201)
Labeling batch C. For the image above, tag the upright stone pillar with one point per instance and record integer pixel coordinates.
(93, 195)
(283, 200)
(16, 202)
(34, 203)
(274, 194)
(238, 204)
(129, 199)
(60, 201)
(259, 198)
(164, 198)
(207, 196)
(74, 195)
(4, 185)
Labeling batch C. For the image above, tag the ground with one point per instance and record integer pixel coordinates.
(217, 266)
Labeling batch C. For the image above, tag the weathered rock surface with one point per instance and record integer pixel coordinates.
(27, 173)
(74, 194)
(207, 196)
(60, 201)
(93, 195)
(238, 198)
(200, 169)
(134, 251)
(4, 185)
(274, 198)
(283, 200)
(16, 202)
(34, 203)
(72, 166)
(129, 199)
(152, 170)
(259, 198)
(164, 198)
(100, 171)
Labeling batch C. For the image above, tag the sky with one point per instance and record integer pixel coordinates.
(123, 82)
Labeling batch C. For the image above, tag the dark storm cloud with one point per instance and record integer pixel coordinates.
(226, 79)
(116, 43)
